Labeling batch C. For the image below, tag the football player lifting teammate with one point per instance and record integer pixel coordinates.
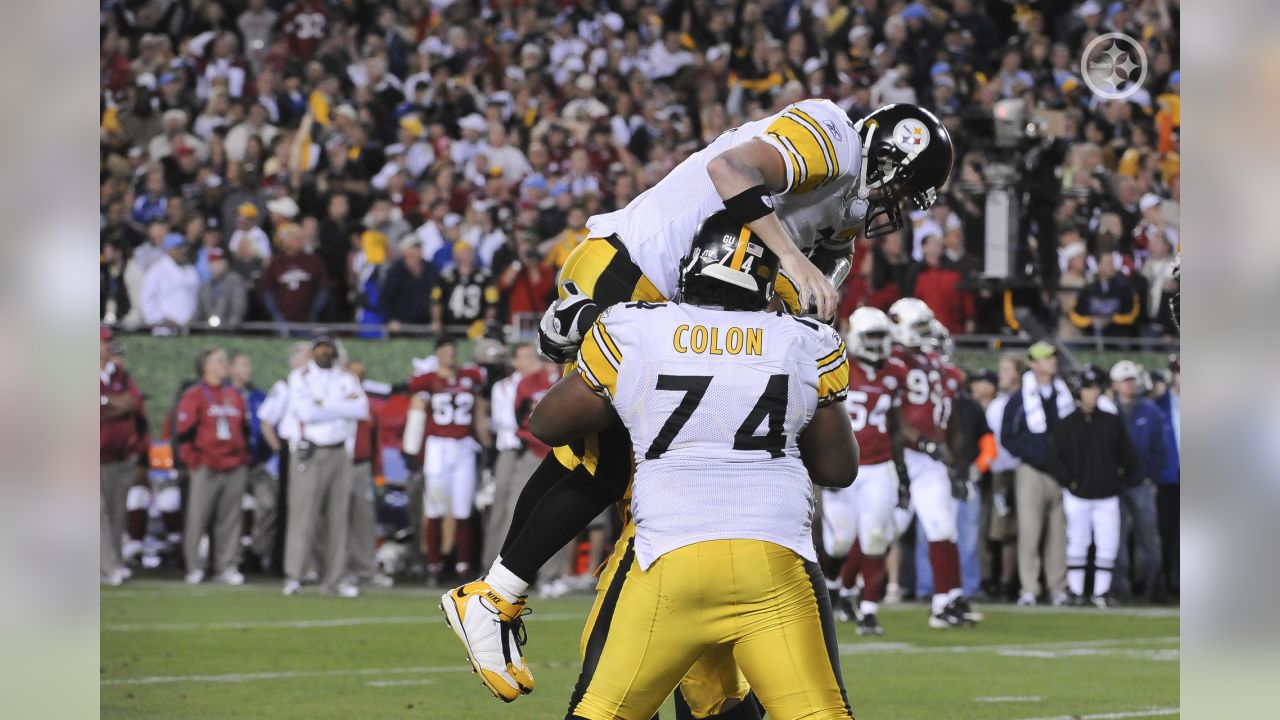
(720, 399)
(803, 180)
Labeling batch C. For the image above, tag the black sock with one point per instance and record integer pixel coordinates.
(562, 513)
(547, 474)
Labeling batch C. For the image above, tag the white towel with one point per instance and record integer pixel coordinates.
(1107, 405)
(1033, 403)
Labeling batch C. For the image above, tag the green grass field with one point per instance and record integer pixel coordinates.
(172, 651)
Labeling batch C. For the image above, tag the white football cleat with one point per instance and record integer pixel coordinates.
(195, 577)
(292, 587)
(115, 578)
(348, 590)
(490, 628)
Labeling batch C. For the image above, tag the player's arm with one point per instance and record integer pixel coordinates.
(569, 410)
(745, 176)
(828, 448)
(483, 433)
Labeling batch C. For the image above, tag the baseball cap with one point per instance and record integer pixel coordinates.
(173, 240)
(1149, 201)
(321, 336)
(410, 240)
(1090, 377)
(1041, 350)
(984, 375)
(915, 11)
(247, 210)
(1125, 370)
(413, 125)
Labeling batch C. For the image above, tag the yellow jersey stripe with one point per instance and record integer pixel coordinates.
(609, 344)
(835, 384)
(832, 367)
(584, 372)
(596, 367)
(797, 157)
(826, 137)
(740, 252)
(839, 352)
(812, 149)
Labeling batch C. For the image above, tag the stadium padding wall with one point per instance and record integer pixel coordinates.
(159, 365)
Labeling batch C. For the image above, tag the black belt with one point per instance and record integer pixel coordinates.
(322, 447)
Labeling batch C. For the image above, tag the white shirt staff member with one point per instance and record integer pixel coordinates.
(325, 404)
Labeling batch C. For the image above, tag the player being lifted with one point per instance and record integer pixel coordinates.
(857, 522)
(927, 453)
(721, 400)
(804, 179)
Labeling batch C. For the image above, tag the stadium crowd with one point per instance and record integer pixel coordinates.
(414, 165)
(350, 493)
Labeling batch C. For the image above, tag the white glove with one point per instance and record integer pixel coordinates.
(564, 323)
(487, 492)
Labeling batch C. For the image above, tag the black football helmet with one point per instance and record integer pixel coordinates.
(727, 266)
(906, 154)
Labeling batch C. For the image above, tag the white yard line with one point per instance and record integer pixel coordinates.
(1008, 699)
(399, 683)
(306, 624)
(1149, 712)
(283, 675)
(1030, 649)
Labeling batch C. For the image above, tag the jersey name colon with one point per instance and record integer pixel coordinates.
(715, 402)
(873, 392)
(823, 158)
(450, 401)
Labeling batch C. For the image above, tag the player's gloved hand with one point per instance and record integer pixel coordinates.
(486, 494)
(564, 323)
(961, 487)
(936, 450)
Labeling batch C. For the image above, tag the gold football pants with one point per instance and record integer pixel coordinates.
(713, 604)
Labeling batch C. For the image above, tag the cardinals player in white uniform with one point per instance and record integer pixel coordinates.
(927, 454)
(857, 522)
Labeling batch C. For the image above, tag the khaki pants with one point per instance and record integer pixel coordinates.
(364, 523)
(214, 502)
(114, 480)
(319, 499)
(266, 519)
(1042, 531)
(510, 473)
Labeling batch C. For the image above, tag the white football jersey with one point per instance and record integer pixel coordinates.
(715, 401)
(823, 159)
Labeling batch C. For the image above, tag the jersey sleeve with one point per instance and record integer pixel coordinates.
(817, 144)
(599, 359)
(420, 384)
(833, 368)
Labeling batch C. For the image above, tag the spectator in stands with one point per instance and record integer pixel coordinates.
(295, 285)
(152, 204)
(465, 295)
(119, 410)
(248, 241)
(174, 135)
(407, 287)
(557, 249)
(1033, 411)
(213, 431)
(1108, 306)
(113, 304)
(169, 290)
(528, 282)
(1146, 424)
(939, 286)
(224, 297)
(1070, 283)
(889, 266)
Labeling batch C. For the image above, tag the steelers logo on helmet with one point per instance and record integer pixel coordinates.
(911, 136)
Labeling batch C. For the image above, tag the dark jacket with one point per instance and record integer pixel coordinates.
(1146, 430)
(406, 297)
(1090, 454)
(1029, 447)
(1172, 474)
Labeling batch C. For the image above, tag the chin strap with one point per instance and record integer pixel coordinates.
(863, 190)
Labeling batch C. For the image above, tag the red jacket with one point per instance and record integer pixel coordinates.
(211, 426)
(119, 438)
(530, 390)
(939, 288)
